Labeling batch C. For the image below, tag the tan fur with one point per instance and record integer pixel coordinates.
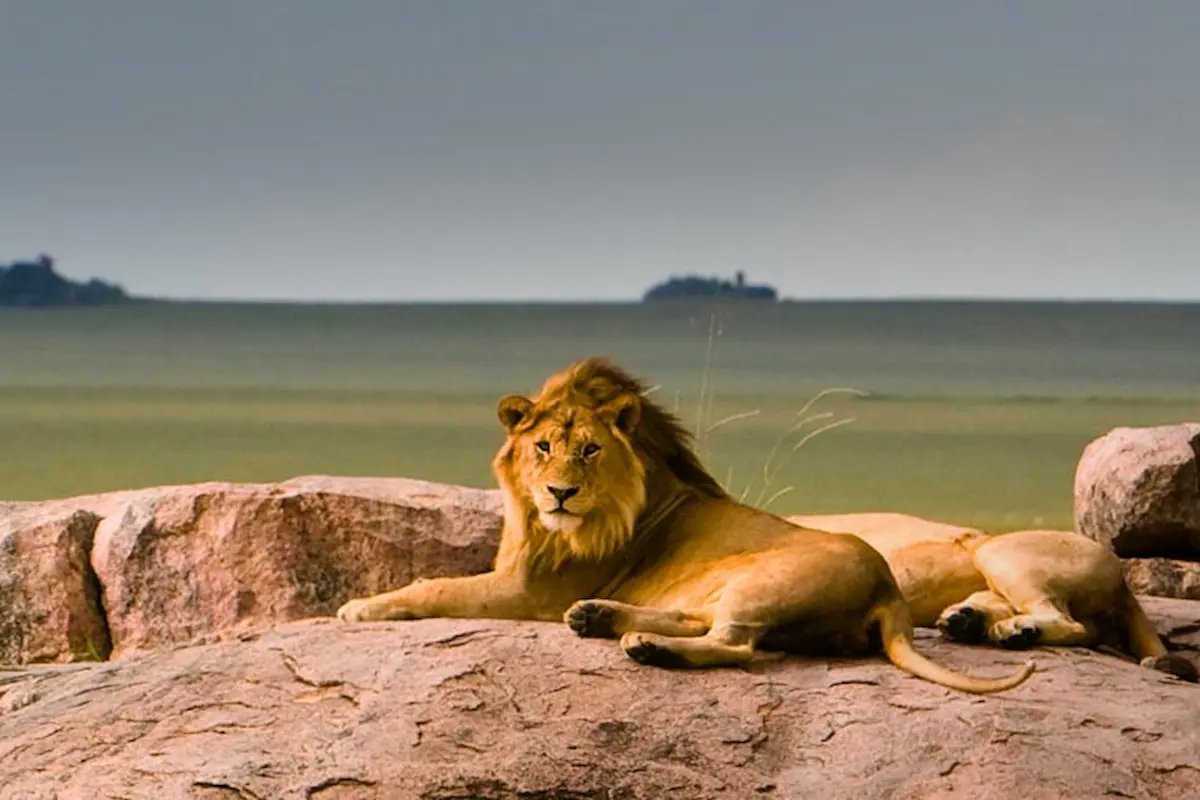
(1013, 589)
(641, 543)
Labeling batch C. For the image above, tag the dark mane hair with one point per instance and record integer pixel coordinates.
(659, 436)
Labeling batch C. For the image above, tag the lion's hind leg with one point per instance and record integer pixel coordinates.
(608, 619)
(988, 616)
(1043, 623)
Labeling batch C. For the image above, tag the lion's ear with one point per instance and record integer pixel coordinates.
(624, 413)
(512, 409)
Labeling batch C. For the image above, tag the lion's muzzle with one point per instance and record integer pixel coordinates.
(562, 493)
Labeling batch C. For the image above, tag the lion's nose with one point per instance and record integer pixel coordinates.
(563, 493)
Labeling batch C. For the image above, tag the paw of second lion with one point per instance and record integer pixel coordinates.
(357, 610)
(964, 624)
(1015, 635)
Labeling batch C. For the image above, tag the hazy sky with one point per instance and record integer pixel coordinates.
(390, 150)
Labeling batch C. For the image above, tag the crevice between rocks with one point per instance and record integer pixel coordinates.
(1194, 443)
(93, 592)
(225, 788)
(334, 783)
(1159, 540)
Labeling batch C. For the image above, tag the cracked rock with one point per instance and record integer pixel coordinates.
(49, 599)
(317, 708)
(188, 564)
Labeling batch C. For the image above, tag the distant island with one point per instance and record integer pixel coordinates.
(694, 286)
(36, 284)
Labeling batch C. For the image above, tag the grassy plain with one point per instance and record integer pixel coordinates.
(977, 412)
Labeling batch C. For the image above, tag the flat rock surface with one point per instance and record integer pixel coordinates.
(475, 709)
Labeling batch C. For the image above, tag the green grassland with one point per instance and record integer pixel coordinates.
(976, 412)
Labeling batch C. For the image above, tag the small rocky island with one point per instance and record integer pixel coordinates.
(35, 284)
(692, 287)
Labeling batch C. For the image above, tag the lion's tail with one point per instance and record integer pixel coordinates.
(896, 631)
(1143, 637)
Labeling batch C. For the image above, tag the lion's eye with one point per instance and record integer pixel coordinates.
(544, 446)
(591, 448)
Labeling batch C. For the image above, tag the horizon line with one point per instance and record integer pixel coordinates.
(848, 299)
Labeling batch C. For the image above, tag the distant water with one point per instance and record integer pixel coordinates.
(944, 349)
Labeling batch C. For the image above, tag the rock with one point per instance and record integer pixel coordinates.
(49, 598)
(1178, 623)
(1163, 577)
(225, 558)
(488, 709)
(177, 563)
(1138, 491)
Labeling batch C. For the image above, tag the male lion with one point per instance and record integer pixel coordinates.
(1014, 589)
(612, 523)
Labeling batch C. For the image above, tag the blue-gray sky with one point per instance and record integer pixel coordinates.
(390, 150)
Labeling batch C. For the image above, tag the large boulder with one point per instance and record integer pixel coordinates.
(477, 709)
(1137, 490)
(49, 597)
(175, 563)
(212, 558)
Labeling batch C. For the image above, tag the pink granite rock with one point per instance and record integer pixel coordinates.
(1137, 490)
(190, 561)
(440, 709)
(49, 598)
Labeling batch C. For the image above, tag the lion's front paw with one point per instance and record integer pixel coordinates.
(591, 619)
(1015, 634)
(645, 650)
(964, 624)
(357, 610)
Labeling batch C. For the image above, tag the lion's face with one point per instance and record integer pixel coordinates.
(575, 463)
